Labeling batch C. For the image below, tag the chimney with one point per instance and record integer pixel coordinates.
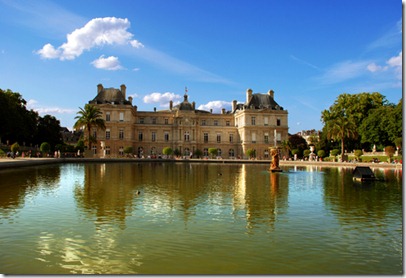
(234, 105)
(130, 99)
(99, 88)
(154, 109)
(211, 111)
(223, 110)
(271, 93)
(170, 105)
(193, 105)
(249, 95)
(123, 89)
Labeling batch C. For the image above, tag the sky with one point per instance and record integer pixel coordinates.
(54, 53)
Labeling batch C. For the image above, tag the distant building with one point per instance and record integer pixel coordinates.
(70, 137)
(257, 124)
(311, 136)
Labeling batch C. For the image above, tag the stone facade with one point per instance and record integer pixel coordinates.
(256, 124)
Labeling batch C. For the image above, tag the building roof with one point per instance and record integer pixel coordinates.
(110, 95)
(260, 101)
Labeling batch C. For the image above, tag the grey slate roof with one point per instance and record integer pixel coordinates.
(260, 101)
(110, 95)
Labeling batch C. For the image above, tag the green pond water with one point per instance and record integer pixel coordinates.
(195, 218)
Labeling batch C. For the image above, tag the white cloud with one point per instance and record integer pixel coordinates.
(109, 63)
(161, 99)
(216, 105)
(33, 104)
(344, 71)
(372, 67)
(394, 63)
(97, 32)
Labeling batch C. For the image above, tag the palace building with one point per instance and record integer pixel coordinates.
(257, 124)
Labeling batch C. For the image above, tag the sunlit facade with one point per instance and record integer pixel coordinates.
(256, 124)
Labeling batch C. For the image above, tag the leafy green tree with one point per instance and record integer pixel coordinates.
(198, 153)
(88, 117)
(176, 152)
(45, 148)
(358, 154)
(128, 150)
(321, 153)
(15, 147)
(251, 153)
(49, 129)
(297, 142)
(212, 152)
(167, 151)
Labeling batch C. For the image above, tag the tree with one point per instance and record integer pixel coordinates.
(89, 117)
(49, 129)
(167, 151)
(358, 154)
(198, 153)
(389, 151)
(339, 123)
(213, 152)
(15, 147)
(251, 153)
(321, 153)
(45, 148)
(128, 150)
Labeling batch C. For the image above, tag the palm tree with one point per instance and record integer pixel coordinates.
(88, 117)
(341, 128)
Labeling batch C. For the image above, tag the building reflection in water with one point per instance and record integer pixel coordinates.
(261, 196)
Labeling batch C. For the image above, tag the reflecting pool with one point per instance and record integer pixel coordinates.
(196, 218)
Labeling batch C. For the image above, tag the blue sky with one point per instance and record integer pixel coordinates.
(55, 53)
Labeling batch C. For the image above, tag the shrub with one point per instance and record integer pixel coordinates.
(321, 153)
(212, 152)
(358, 154)
(167, 151)
(251, 153)
(45, 148)
(15, 147)
(128, 150)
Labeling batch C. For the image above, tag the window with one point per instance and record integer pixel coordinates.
(121, 116)
(231, 152)
(253, 137)
(265, 121)
(218, 152)
(107, 116)
(94, 133)
(206, 137)
(205, 152)
(121, 150)
(231, 138)
(94, 149)
(227, 123)
(252, 120)
(153, 137)
(216, 122)
(107, 134)
(203, 122)
(218, 138)
(278, 121)
(153, 121)
(141, 120)
(166, 136)
(121, 134)
(266, 137)
(107, 150)
(166, 121)
(186, 136)
(140, 136)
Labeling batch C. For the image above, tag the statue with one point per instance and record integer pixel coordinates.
(275, 161)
